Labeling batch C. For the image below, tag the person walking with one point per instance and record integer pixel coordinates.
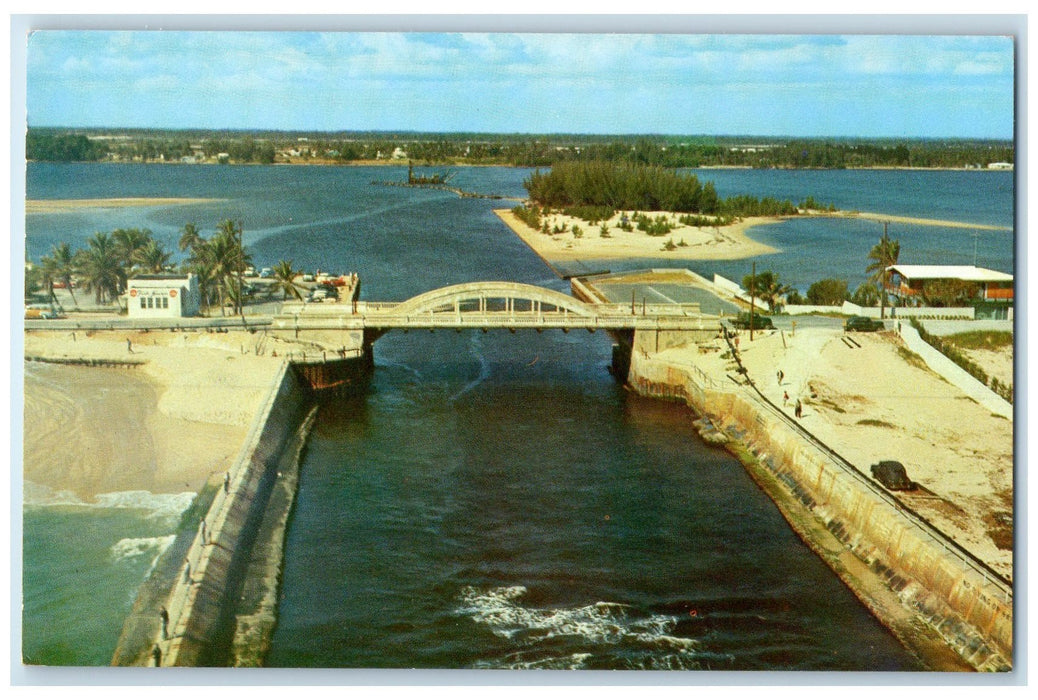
(164, 617)
(785, 398)
(129, 346)
(780, 376)
(799, 410)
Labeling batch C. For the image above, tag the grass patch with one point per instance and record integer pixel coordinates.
(1000, 529)
(831, 405)
(911, 357)
(875, 423)
(981, 340)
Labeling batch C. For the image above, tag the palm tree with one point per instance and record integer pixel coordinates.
(190, 238)
(128, 242)
(883, 255)
(202, 263)
(766, 287)
(218, 254)
(152, 257)
(100, 267)
(232, 259)
(284, 279)
(49, 273)
(64, 261)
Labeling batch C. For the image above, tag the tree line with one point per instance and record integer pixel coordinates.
(647, 188)
(104, 266)
(520, 150)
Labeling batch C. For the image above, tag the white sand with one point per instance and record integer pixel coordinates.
(163, 427)
(707, 243)
(870, 404)
(57, 206)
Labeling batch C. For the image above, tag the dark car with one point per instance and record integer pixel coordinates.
(862, 323)
(892, 475)
(759, 322)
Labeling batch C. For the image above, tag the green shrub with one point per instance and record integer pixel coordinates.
(591, 213)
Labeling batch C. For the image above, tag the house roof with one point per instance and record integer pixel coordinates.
(966, 273)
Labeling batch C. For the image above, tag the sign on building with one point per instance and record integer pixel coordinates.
(162, 296)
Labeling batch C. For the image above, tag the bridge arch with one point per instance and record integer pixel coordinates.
(456, 296)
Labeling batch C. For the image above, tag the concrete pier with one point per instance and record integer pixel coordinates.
(202, 600)
(900, 562)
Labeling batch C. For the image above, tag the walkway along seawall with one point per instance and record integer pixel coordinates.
(202, 602)
(918, 583)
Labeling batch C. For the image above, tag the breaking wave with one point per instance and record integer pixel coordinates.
(156, 505)
(134, 547)
(613, 631)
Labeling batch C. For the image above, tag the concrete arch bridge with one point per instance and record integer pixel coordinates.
(492, 304)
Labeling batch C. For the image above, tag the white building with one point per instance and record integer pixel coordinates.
(162, 296)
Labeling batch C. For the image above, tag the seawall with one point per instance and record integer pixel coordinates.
(915, 581)
(203, 598)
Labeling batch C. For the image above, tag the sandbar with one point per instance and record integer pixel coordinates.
(729, 242)
(57, 206)
(914, 220)
(691, 243)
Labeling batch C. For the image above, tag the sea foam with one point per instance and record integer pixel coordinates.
(605, 624)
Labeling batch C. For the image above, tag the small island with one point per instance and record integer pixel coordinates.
(605, 211)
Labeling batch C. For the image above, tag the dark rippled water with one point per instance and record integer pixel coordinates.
(496, 500)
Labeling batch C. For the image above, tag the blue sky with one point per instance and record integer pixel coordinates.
(783, 85)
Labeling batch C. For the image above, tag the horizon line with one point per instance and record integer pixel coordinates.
(555, 134)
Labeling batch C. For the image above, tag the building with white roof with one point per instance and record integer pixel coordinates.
(994, 295)
(162, 296)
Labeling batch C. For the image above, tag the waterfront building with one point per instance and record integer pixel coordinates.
(993, 296)
(162, 296)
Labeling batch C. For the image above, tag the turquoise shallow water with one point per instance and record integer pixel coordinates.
(496, 500)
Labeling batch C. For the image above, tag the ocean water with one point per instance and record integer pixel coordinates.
(496, 500)
(81, 566)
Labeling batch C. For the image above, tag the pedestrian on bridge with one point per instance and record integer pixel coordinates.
(164, 617)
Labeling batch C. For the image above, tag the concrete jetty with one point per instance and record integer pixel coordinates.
(911, 575)
(198, 624)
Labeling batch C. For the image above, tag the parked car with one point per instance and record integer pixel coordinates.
(32, 313)
(893, 475)
(759, 322)
(862, 323)
(266, 273)
(324, 291)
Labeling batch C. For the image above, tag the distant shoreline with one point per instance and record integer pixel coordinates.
(402, 163)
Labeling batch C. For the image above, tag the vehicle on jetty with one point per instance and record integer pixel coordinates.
(754, 321)
(862, 323)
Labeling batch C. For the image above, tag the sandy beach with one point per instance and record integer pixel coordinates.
(164, 426)
(690, 242)
(58, 206)
(874, 403)
(720, 243)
